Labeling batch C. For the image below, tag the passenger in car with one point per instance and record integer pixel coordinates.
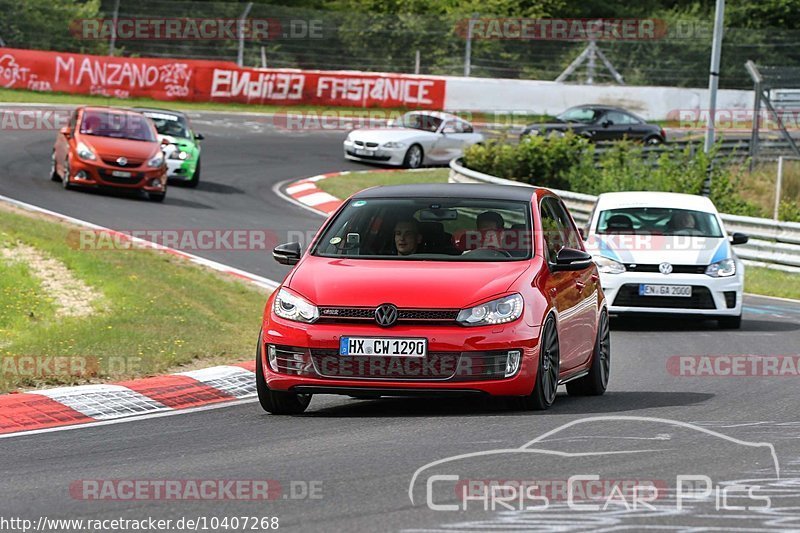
(489, 220)
(407, 236)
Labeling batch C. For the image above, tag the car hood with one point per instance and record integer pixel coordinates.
(406, 284)
(108, 146)
(382, 135)
(656, 249)
(184, 144)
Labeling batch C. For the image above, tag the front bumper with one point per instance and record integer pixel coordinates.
(98, 174)
(450, 348)
(180, 169)
(708, 298)
(380, 155)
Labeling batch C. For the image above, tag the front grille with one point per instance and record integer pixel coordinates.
(436, 366)
(132, 163)
(628, 296)
(133, 180)
(404, 316)
(370, 157)
(676, 269)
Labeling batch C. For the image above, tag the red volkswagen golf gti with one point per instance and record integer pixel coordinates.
(435, 290)
(107, 147)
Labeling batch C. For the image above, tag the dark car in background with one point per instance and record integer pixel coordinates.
(600, 123)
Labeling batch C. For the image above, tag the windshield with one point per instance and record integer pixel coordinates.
(117, 125)
(419, 121)
(429, 229)
(167, 124)
(658, 221)
(578, 114)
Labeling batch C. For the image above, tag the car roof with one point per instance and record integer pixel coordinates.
(671, 200)
(109, 109)
(159, 110)
(451, 190)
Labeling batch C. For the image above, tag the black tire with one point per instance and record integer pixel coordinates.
(596, 381)
(53, 171)
(156, 197)
(730, 322)
(544, 391)
(273, 401)
(653, 140)
(414, 156)
(195, 177)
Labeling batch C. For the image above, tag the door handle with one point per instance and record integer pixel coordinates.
(595, 277)
(553, 291)
(580, 285)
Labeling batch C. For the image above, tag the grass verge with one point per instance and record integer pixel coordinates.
(771, 282)
(758, 280)
(347, 184)
(157, 313)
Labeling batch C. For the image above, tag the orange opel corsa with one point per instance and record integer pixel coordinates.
(106, 147)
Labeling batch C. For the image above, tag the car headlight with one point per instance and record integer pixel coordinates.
(394, 145)
(84, 152)
(293, 307)
(157, 160)
(608, 266)
(722, 269)
(178, 154)
(500, 311)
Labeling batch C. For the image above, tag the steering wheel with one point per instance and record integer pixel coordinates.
(487, 252)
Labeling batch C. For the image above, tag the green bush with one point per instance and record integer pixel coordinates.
(789, 210)
(569, 163)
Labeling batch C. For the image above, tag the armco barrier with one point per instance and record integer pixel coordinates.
(772, 244)
(212, 81)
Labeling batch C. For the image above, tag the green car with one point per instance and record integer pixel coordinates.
(183, 152)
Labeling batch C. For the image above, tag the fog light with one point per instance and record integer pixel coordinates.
(272, 357)
(81, 175)
(155, 183)
(512, 362)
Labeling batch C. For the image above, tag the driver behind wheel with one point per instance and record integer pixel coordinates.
(407, 236)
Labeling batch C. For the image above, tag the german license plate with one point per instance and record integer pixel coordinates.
(680, 291)
(386, 347)
(121, 174)
(361, 151)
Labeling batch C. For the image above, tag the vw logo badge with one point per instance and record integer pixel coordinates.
(665, 268)
(121, 161)
(386, 315)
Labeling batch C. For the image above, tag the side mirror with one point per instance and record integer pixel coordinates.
(199, 136)
(607, 123)
(739, 238)
(287, 254)
(66, 132)
(582, 232)
(165, 142)
(572, 259)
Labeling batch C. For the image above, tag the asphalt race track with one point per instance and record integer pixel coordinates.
(360, 456)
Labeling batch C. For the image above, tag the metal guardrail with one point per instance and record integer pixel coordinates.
(772, 244)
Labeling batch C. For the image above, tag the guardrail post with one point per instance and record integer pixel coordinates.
(778, 187)
(240, 55)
